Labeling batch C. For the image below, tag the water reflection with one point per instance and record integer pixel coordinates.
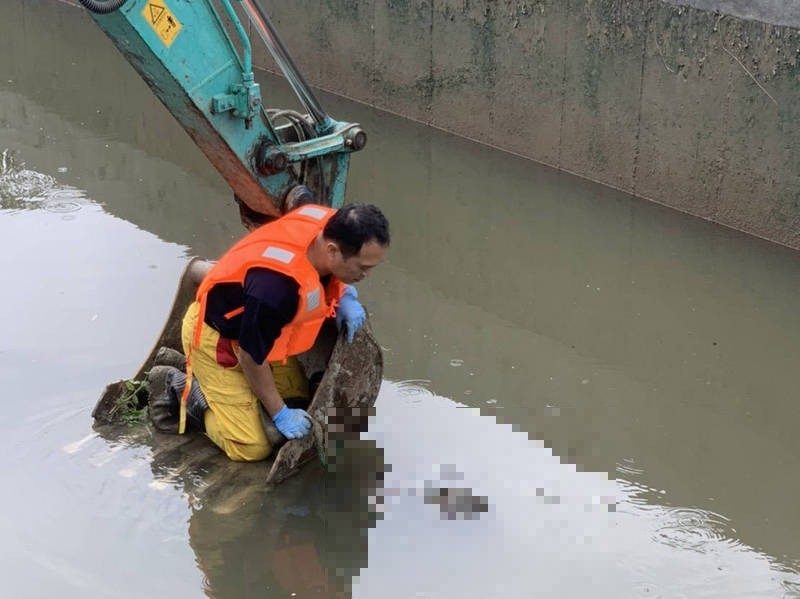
(306, 538)
(550, 528)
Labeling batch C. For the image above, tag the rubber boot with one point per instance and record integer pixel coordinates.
(166, 385)
(166, 356)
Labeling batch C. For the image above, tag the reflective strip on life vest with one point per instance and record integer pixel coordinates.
(311, 211)
(279, 254)
(312, 300)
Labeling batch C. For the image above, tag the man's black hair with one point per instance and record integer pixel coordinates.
(354, 225)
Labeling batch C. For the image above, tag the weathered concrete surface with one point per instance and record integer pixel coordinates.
(691, 104)
(694, 107)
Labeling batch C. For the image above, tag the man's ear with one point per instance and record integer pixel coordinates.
(331, 249)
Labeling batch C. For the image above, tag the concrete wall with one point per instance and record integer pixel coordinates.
(694, 104)
(692, 108)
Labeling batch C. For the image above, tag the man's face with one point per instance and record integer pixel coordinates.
(353, 269)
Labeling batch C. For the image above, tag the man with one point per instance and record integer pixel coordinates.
(261, 305)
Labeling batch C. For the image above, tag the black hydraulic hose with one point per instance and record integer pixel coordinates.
(304, 131)
(102, 7)
(299, 125)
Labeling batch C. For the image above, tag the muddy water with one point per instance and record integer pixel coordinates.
(616, 380)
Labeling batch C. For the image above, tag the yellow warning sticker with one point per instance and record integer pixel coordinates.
(162, 21)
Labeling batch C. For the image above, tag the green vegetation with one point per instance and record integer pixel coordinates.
(132, 409)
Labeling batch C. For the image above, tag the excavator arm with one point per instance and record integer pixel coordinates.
(186, 51)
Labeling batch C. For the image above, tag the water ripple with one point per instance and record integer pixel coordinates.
(64, 200)
(412, 387)
(627, 467)
(693, 529)
(791, 588)
(25, 189)
(647, 589)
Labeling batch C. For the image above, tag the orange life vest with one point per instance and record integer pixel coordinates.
(280, 246)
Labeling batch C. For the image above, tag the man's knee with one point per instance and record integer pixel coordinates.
(253, 448)
(239, 452)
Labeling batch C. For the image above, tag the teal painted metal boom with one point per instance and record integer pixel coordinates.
(184, 51)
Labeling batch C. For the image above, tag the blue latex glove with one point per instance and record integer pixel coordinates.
(350, 313)
(293, 424)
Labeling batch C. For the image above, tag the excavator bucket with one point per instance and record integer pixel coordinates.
(340, 408)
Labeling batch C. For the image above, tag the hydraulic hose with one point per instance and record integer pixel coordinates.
(102, 7)
(304, 130)
(300, 127)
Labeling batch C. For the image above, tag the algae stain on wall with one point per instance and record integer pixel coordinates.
(400, 7)
(348, 10)
(484, 40)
